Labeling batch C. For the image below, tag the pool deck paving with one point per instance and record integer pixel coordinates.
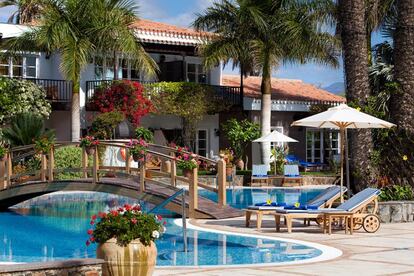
(390, 251)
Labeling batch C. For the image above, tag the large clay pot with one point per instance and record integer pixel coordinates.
(90, 150)
(240, 164)
(135, 259)
(187, 173)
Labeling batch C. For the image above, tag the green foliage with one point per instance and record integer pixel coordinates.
(397, 192)
(44, 144)
(26, 128)
(19, 96)
(240, 134)
(69, 158)
(186, 165)
(125, 225)
(104, 124)
(3, 150)
(278, 154)
(145, 134)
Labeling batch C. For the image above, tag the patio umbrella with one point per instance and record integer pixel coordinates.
(342, 117)
(275, 136)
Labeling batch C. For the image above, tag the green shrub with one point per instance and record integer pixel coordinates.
(144, 134)
(69, 157)
(397, 192)
(244, 172)
(104, 124)
(19, 96)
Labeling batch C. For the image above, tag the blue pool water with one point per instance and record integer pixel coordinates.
(54, 228)
(241, 198)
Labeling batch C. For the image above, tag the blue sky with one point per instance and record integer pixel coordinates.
(182, 13)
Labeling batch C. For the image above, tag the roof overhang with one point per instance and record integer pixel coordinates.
(254, 104)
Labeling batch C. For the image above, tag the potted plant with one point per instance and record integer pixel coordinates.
(3, 152)
(187, 163)
(144, 133)
(125, 238)
(89, 143)
(138, 149)
(43, 145)
(228, 156)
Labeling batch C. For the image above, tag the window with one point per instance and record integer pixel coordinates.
(104, 68)
(196, 73)
(321, 145)
(202, 142)
(4, 67)
(21, 66)
(99, 68)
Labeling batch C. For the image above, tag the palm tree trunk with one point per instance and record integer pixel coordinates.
(75, 113)
(266, 110)
(402, 104)
(354, 44)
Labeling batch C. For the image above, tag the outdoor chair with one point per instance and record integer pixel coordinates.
(259, 174)
(291, 176)
(324, 199)
(356, 206)
(308, 166)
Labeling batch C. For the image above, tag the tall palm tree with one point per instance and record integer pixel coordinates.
(27, 10)
(355, 53)
(266, 33)
(402, 110)
(78, 30)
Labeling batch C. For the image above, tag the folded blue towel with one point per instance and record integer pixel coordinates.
(273, 204)
(301, 207)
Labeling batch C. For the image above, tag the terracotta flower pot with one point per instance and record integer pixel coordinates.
(90, 150)
(135, 259)
(187, 173)
(240, 164)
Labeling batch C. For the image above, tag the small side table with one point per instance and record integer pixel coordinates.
(348, 217)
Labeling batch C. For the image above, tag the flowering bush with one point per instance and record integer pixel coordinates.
(228, 156)
(124, 96)
(186, 160)
(138, 149)
(43, 144)
(88, 141)
(125, 224)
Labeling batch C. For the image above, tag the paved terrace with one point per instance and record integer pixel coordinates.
(390, 251)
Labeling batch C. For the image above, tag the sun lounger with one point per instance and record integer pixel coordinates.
(259, 175)
(324, 199)
(356, 205)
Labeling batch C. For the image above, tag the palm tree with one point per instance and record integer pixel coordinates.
(27, 10)
(266, 33)
(402, 110)
(355, 53)
(78, 30)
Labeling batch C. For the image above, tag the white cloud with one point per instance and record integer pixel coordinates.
(149, 10)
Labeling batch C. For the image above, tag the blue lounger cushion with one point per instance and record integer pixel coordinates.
(301, 207)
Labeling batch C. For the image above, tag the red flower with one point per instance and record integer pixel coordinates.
(102, 215)
(165, 223)
(127, 207)
(159, 217)
(94, 217)
(114, 213)
(92, 222)
(134, 221)
(92, 239)
(90, 232)
(137, 208)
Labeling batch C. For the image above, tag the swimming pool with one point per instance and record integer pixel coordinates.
(56, 229)
(242, 197)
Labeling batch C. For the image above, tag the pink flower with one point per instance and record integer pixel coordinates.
(165, 223)
(88, 243)
(90, 231)
(159, 217)
(94, 217)
(134, 221)
(92, 222)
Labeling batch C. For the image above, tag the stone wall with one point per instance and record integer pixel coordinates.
(74, 267)
(396, 211)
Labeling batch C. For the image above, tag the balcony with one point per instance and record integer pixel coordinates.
(230, 95)
(58, 92)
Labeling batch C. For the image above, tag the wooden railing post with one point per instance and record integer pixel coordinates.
(3, 182)
(221, 182)
(51, 164)
(9, 169)
(95, 167)
(84, 163)
(173, 173)
(142, 177)
(43, 167)
(166, 166)
(127, 161)
(193, 192)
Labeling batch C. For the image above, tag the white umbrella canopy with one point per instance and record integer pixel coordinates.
(343, 117)
(275, 136)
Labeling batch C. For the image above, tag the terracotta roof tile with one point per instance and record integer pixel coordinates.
(282, 89)
(148, 25)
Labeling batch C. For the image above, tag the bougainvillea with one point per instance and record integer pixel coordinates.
(123, 96)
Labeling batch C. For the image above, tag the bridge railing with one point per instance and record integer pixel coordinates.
(92, 169)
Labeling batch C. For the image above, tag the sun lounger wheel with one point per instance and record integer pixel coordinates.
(358, 223)
(371, 223)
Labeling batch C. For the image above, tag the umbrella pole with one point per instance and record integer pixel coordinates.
(342, 132)
(348, 182)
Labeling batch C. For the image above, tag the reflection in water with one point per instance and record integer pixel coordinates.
(54, 227)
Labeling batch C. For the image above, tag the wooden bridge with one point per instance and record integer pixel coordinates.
(153, 184)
